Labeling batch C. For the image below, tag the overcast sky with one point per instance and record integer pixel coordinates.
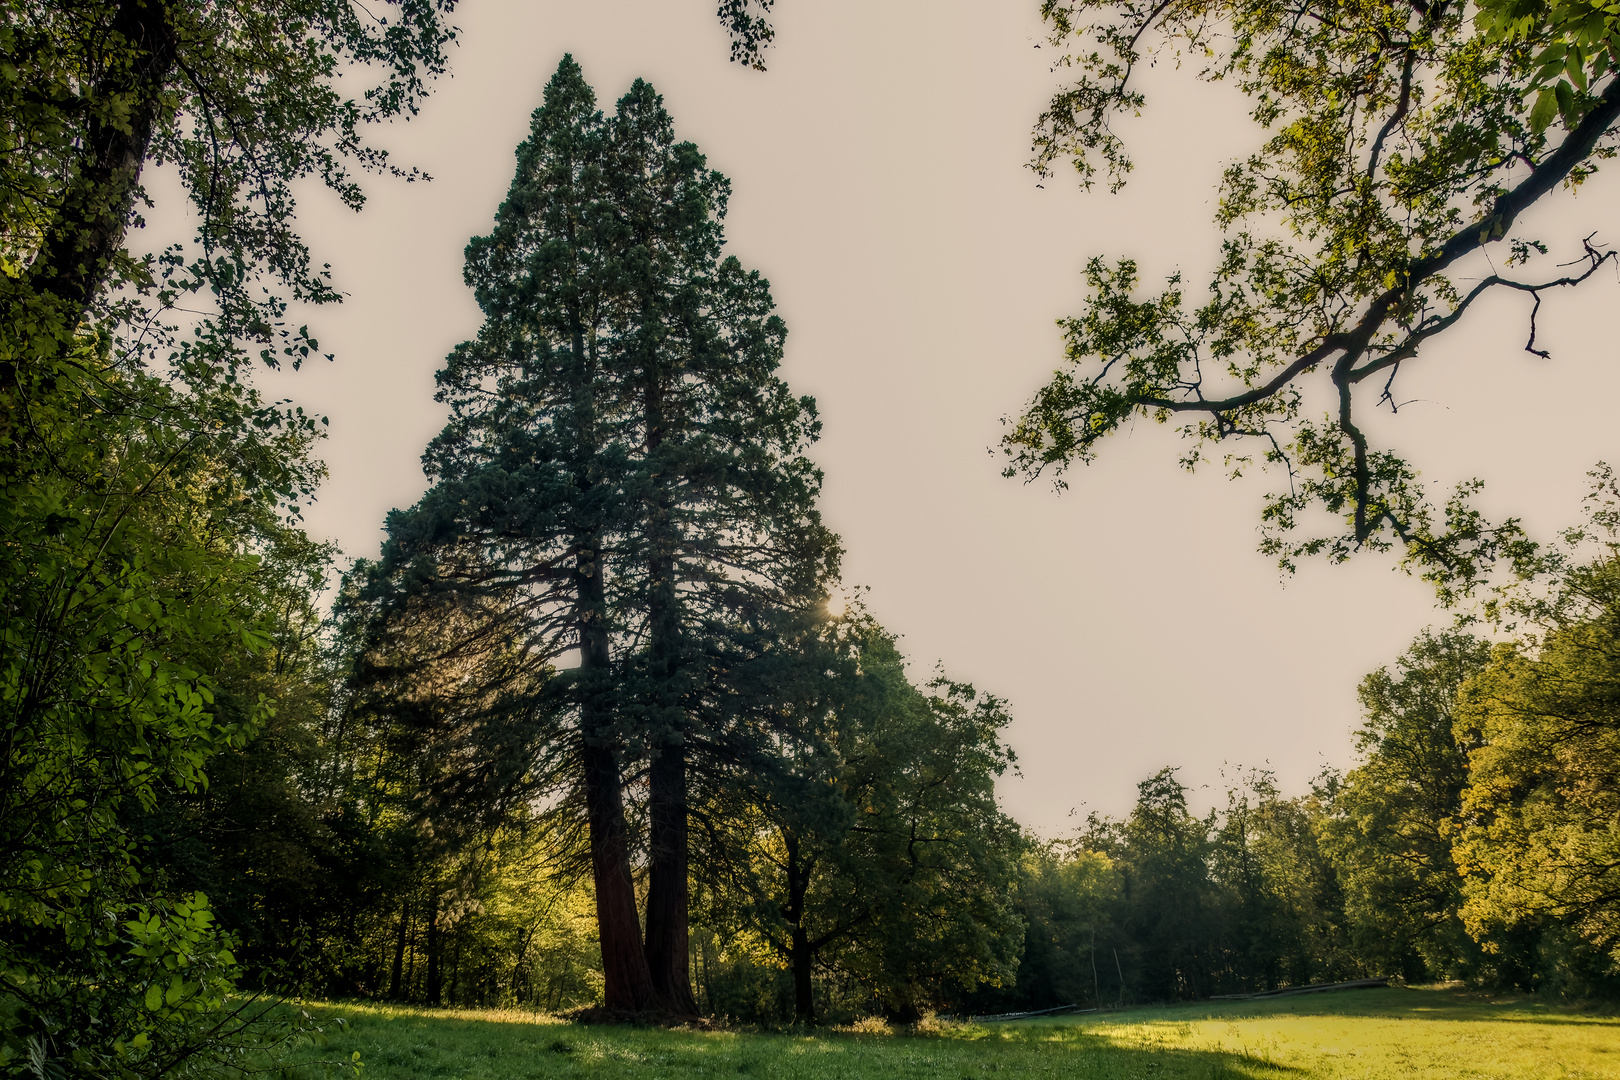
(879, 183)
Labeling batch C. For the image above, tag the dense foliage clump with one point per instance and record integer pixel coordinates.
(149, 556)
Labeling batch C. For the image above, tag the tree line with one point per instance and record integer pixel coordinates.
(1473, 840)
(1467, 843)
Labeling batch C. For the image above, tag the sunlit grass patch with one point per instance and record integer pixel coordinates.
(1378, 1033)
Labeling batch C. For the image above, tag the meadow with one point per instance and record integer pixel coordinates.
(1412, 1034)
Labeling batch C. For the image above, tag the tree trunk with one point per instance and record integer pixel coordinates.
(521, 978)
(800, 951)
(626, 982)
(708, 973)
(669, 955)
(455, 972)
(80, 243)
(410, 966)
(435, 989)
(396, 977)
(1096, 985)
(87, 232)
(804, 1002)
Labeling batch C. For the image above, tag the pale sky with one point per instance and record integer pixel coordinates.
(879, 183)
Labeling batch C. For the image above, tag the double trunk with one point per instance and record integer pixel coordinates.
(668, 891)
(626, 983)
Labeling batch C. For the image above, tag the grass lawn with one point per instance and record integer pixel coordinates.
(1412, 1034)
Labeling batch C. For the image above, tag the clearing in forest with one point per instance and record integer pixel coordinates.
(1410, 1034)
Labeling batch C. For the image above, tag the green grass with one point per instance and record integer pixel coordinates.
(1411, 1034)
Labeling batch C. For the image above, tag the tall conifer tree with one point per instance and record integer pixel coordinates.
(623, 475)
(724, 529)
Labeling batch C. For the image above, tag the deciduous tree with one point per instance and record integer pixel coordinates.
(875, 849)
(141, 475)
(141, 478)
(1537, 833)
(1391, 817)
(1402, 146)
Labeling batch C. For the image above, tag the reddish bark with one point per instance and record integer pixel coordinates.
(626, 982)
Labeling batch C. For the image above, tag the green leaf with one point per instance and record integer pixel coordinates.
(154, 997)
(1547, 71)
(1576, 68)
(1566, 102)
(1542, 112)
(1552, 56)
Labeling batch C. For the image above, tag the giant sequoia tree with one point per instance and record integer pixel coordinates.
(1403, 143)
(620, 491)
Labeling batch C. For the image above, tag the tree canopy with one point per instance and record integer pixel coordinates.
(1391, 833)
(145, 486)
(1536, 832)
(1402, 145)
(594, 671)
(873, 849)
